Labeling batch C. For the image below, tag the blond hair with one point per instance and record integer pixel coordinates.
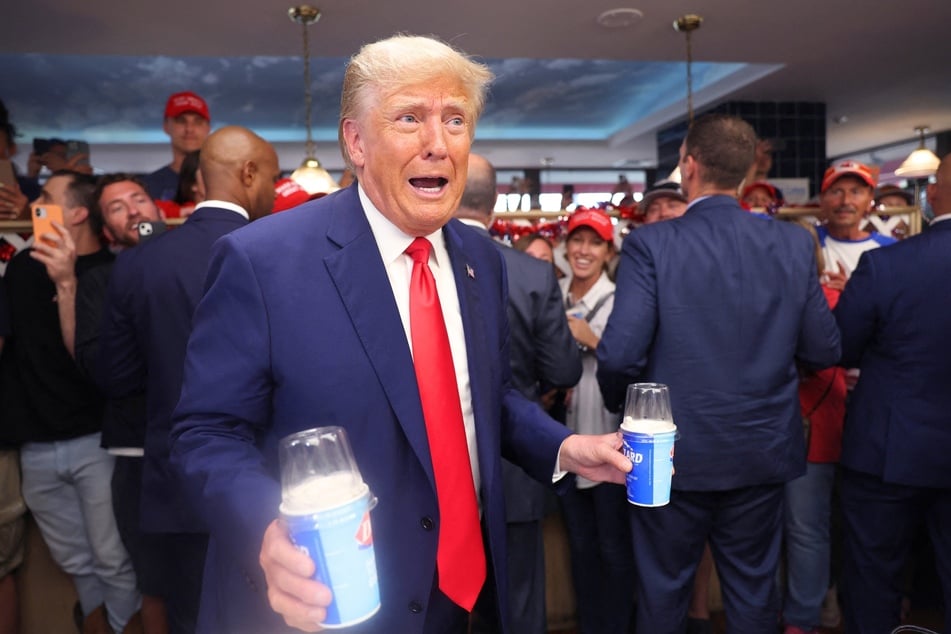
(400, 61)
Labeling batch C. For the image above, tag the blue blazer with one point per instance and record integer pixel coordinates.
(298, 328)
(720, 304)
(895, 317)
(151, 299)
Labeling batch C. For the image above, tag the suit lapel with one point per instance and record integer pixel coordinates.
(360, 278)
(465, 267)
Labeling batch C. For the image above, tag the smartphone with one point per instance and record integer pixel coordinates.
(7, 176)
(149, 229)
(43, 218)
(41, 146)
(74, 148)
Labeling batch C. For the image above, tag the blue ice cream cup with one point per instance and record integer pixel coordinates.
(339, 539)
(652, 454)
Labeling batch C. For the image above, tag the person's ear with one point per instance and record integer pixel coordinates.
(249, 170)
(930, 192)
(354, 142)
(688, 168)
(77, 216)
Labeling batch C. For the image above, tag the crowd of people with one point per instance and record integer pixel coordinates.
(147, 377)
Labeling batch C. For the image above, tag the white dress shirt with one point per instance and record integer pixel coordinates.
(222, 204)
(392, 243)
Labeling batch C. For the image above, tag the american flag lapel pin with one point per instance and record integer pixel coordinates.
(470, 272)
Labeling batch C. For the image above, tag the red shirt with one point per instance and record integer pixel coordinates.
(822, 400)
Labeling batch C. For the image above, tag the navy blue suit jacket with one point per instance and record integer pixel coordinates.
(895, 317)
(298, 328)
(151, 299)
(720, 304)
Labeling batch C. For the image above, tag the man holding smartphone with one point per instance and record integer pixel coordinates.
(187, 124)
(55, 414)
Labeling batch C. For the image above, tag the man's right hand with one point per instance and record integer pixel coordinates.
(57, 252)
(291, 589)
(835, 279)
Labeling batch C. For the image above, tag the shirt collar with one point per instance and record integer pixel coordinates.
(473, 223)
(696, 200)
(390, 240)
(223, 204)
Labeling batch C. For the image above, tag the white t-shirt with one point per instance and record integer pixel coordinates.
(848, 252)
(586, 413)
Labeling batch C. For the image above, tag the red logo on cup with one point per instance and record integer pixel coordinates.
(364, 534)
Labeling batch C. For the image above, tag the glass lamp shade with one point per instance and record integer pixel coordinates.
(919, 164)
(314, 178)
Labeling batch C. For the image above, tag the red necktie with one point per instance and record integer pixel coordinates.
(460, 558)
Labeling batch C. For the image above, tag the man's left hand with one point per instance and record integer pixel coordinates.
(597, 458)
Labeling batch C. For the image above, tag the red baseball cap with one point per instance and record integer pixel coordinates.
(848, 168)
(288, 194)
(771, 189)
(182, 102)
(594, 219)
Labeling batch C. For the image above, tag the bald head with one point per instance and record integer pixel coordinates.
(478, 199)
(240, 167)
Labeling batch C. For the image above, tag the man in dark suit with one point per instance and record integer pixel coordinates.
(895, 318)
(308, 320)
(151, 297)
(720, 305)
(543, 352)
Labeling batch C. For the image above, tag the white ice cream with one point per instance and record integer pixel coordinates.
(319, 493)
(647, 426)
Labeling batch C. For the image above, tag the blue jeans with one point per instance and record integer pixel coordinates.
(806, 532)
(602, 559)
(66, 485)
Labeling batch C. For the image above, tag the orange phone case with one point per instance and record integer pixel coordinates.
(43, 218)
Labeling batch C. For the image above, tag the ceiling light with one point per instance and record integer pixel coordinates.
(310, 175)
(620, 18)
(920, 163)
(687, 24)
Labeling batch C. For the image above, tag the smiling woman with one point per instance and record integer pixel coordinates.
(595, 514)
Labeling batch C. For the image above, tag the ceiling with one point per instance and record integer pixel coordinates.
(569, 92)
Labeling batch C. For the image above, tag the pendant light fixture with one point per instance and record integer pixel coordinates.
(310, 175)
(687, 24)
(922, 162)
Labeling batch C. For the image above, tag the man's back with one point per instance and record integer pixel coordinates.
(895, 317)
(733, 300)
(163, 283)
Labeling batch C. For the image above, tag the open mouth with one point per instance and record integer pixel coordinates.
(429, 184)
